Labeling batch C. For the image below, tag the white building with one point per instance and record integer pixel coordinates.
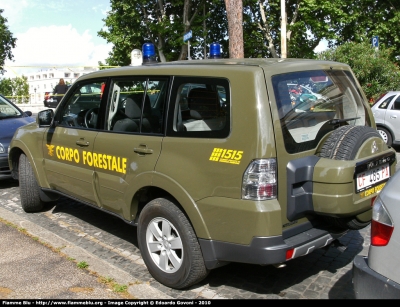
(46, 79)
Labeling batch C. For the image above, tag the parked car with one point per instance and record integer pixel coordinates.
(241, 177)
(11, 118)
(49, 100)
(386, 112)
(52, 101)
(377, 275)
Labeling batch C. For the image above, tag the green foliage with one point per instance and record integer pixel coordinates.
(7, 42)
(367, 18)
(16, 89)
(20, 89)
(131, 23)
(376, 71)
(82, 265)
(6, 87)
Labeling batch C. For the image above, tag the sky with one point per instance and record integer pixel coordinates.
(55, 33)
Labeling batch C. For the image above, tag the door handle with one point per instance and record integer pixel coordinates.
(393, 116)
(143, 150)
(82, 142)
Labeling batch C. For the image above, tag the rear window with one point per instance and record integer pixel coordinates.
(314, 103)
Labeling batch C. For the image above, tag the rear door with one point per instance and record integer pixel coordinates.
(128, 148)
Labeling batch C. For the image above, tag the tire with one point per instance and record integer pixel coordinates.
(28, 187)
(386, 135)
(169, 245)
(344, 142)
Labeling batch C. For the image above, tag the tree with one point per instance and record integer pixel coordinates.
(7, 42)
(6, 87)
(131, 23)
(368, 18)
(308, 22)
(234, 11)
(375, 71)
(20, 89)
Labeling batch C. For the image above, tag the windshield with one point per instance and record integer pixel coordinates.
(7, 109)
(314, 103)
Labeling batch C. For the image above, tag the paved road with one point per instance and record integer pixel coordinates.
(101, 238)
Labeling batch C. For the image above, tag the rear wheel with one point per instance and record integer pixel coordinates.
(28, 187)
(169, 245)
(343, 144)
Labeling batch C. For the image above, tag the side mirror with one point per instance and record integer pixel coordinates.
(45, 117)
(29, 113)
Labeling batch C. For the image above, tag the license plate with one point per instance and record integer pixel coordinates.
(372, 177)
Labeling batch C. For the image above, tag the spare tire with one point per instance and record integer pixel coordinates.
(343, 144)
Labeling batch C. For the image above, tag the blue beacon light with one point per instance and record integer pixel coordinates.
(215, 51)
(149, 53)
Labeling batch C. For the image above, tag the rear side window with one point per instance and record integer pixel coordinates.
(385, 103)
(200, 107)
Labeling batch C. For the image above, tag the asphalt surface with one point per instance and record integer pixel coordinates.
(40, 253)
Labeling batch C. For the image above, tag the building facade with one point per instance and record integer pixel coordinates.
(45, 80)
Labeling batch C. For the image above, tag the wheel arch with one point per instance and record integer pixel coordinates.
(17, 150)
(164, 186)
(380, 125)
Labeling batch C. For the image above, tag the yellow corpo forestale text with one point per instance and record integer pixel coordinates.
(99, 160)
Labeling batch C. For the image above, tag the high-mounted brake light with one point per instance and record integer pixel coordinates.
(215, 51)
(149, 53)
(381, 225)
(259, 180)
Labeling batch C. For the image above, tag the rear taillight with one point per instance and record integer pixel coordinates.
(382, 224)
(259, 180)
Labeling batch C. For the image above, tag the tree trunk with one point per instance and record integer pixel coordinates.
(234, 11)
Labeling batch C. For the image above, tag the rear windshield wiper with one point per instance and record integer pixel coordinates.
(336, 121)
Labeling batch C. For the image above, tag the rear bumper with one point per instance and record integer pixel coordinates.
(266, 250)
(368, 284)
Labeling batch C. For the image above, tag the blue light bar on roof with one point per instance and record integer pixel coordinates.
(149, 53)
(215, 51)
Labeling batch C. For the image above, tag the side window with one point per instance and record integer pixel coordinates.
(81, 108)
(384, 104)
(202, 107)
(136, 105)
(396, 104)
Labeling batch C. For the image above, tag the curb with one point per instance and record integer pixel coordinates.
(136, 288)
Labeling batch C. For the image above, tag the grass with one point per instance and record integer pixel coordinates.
(82, 265)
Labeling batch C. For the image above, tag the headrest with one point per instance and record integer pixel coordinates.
(138, 98)
(203, 103)
(132, 109)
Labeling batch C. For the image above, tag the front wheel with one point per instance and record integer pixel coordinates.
(169, 245)
(28, 187)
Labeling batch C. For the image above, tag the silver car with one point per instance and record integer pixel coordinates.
(386, 112)
(377, 275)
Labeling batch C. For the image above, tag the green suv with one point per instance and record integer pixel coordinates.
(257, 161)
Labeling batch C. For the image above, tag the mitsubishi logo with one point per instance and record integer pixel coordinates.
(374, 148)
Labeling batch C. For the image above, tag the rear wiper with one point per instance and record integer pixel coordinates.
(336, 121)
